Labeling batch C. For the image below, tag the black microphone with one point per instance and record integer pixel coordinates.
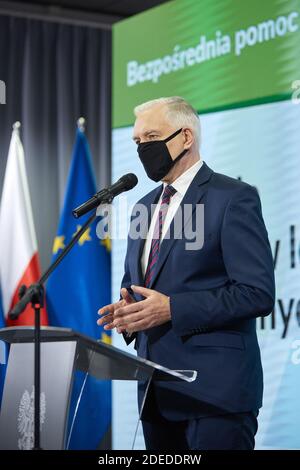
(25, 296)
(106, 195)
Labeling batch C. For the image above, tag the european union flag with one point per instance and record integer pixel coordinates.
(75, 291)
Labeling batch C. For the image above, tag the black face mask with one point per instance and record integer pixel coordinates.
(156, 158)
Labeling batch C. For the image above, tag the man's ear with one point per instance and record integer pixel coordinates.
(189, 138)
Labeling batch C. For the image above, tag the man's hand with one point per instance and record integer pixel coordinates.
(108, 311)
(137, 316)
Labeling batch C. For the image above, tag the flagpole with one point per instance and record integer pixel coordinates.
(81, 124)
(16, 126)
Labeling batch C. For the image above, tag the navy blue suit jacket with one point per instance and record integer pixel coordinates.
(216, 293)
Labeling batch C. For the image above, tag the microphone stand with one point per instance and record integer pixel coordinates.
(34, 294)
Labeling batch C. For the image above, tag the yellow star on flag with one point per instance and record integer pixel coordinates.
(105, 338)
(85, 237)
(58, 244)
(107, 243)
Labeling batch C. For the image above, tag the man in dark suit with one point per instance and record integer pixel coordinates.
(192, 304)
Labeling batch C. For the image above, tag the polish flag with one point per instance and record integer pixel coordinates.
(19, 260)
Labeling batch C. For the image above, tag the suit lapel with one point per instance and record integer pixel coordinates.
(193, 197)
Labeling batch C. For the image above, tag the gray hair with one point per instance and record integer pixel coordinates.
(178, 113)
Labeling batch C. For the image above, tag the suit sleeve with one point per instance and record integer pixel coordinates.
(250, 291)
(126, 282)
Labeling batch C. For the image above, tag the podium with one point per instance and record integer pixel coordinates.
(63, 351)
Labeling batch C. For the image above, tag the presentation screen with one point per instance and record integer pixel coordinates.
(238, 64)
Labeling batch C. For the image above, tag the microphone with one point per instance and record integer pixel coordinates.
(106, 195)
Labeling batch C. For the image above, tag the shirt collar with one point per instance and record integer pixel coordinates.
(183, 181)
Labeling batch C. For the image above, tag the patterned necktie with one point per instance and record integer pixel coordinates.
(155, 244)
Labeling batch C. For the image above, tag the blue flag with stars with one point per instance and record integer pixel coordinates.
(75, 291)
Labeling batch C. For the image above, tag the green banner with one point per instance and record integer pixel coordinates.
(217, 54)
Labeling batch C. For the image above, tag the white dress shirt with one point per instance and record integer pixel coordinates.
(181, 185)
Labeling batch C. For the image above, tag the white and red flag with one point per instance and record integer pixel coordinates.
(19, 260)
